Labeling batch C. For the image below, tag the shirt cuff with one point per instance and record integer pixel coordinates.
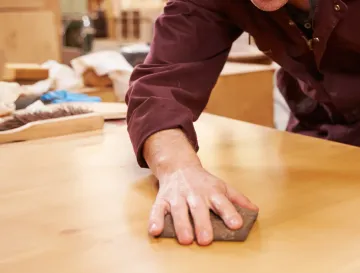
(157, 114)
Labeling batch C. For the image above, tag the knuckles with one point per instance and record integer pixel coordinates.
(194, 201)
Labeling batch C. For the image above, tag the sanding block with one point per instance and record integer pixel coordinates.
(220, 230)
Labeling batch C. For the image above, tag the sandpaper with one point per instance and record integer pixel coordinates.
(220, 230)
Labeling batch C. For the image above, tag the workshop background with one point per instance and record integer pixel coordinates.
(55, 51)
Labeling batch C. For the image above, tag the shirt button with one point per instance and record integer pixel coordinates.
(337, 7)
(291, 23)
(316, 40)
(307, 25)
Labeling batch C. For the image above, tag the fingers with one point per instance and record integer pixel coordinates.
(241, 200)
(156, 221)
(226, 210)
(180, 215)
(201, 216)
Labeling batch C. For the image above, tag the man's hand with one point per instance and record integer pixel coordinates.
(186, 186)
(196, 190)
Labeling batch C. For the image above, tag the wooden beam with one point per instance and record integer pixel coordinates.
(23, 4)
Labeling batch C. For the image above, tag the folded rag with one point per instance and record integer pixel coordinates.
(61, 96)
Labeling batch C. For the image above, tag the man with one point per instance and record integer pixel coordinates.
(317, 43)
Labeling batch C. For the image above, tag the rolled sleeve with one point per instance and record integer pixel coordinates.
(170, 90)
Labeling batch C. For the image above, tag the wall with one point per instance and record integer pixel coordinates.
(20, 40)
(74, 6)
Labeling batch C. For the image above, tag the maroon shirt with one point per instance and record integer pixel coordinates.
(320, 77)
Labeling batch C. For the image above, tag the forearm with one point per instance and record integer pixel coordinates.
(163, 92)
(169, 150)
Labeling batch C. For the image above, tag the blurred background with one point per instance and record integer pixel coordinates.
(91, 46)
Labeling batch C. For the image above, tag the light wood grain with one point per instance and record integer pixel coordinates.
(245, 53)
(54, 7)
(80, 204)
(53, 128)
(25, 71)
(23, 4)
(244, 92)
(29, 36)
(231, 68)
(2, 64)
(108, 110)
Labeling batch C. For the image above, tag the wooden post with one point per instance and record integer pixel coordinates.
(54, 7)
(136, 24)
(2, 64)
(111, 18)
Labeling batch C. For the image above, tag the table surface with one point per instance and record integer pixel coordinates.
(80, 204)
(233, 68)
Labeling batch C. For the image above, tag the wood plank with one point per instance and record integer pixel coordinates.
(23, 4)
(25, 72)
(54, 7)
(244, 92)
(29, 36)
(2, 64)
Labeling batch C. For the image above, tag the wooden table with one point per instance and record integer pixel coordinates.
(244, 92)
(80, 204)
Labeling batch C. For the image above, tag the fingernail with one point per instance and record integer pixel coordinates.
(153, 227)
(205, 237)
(187, 237)
(235, 222)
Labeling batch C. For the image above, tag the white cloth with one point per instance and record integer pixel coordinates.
(61, 77)
(281, 109)
(9, 93)
(110, 63)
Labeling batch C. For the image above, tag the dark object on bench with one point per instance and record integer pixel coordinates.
(221, 231)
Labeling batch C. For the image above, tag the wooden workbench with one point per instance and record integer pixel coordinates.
(80, 204)
(243, 92)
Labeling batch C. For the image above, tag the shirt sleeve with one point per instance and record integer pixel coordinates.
(191, 43)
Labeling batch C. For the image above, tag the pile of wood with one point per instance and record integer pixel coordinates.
(91, 79)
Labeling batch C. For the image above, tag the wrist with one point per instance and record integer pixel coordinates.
(168, 151)
(168, 166)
